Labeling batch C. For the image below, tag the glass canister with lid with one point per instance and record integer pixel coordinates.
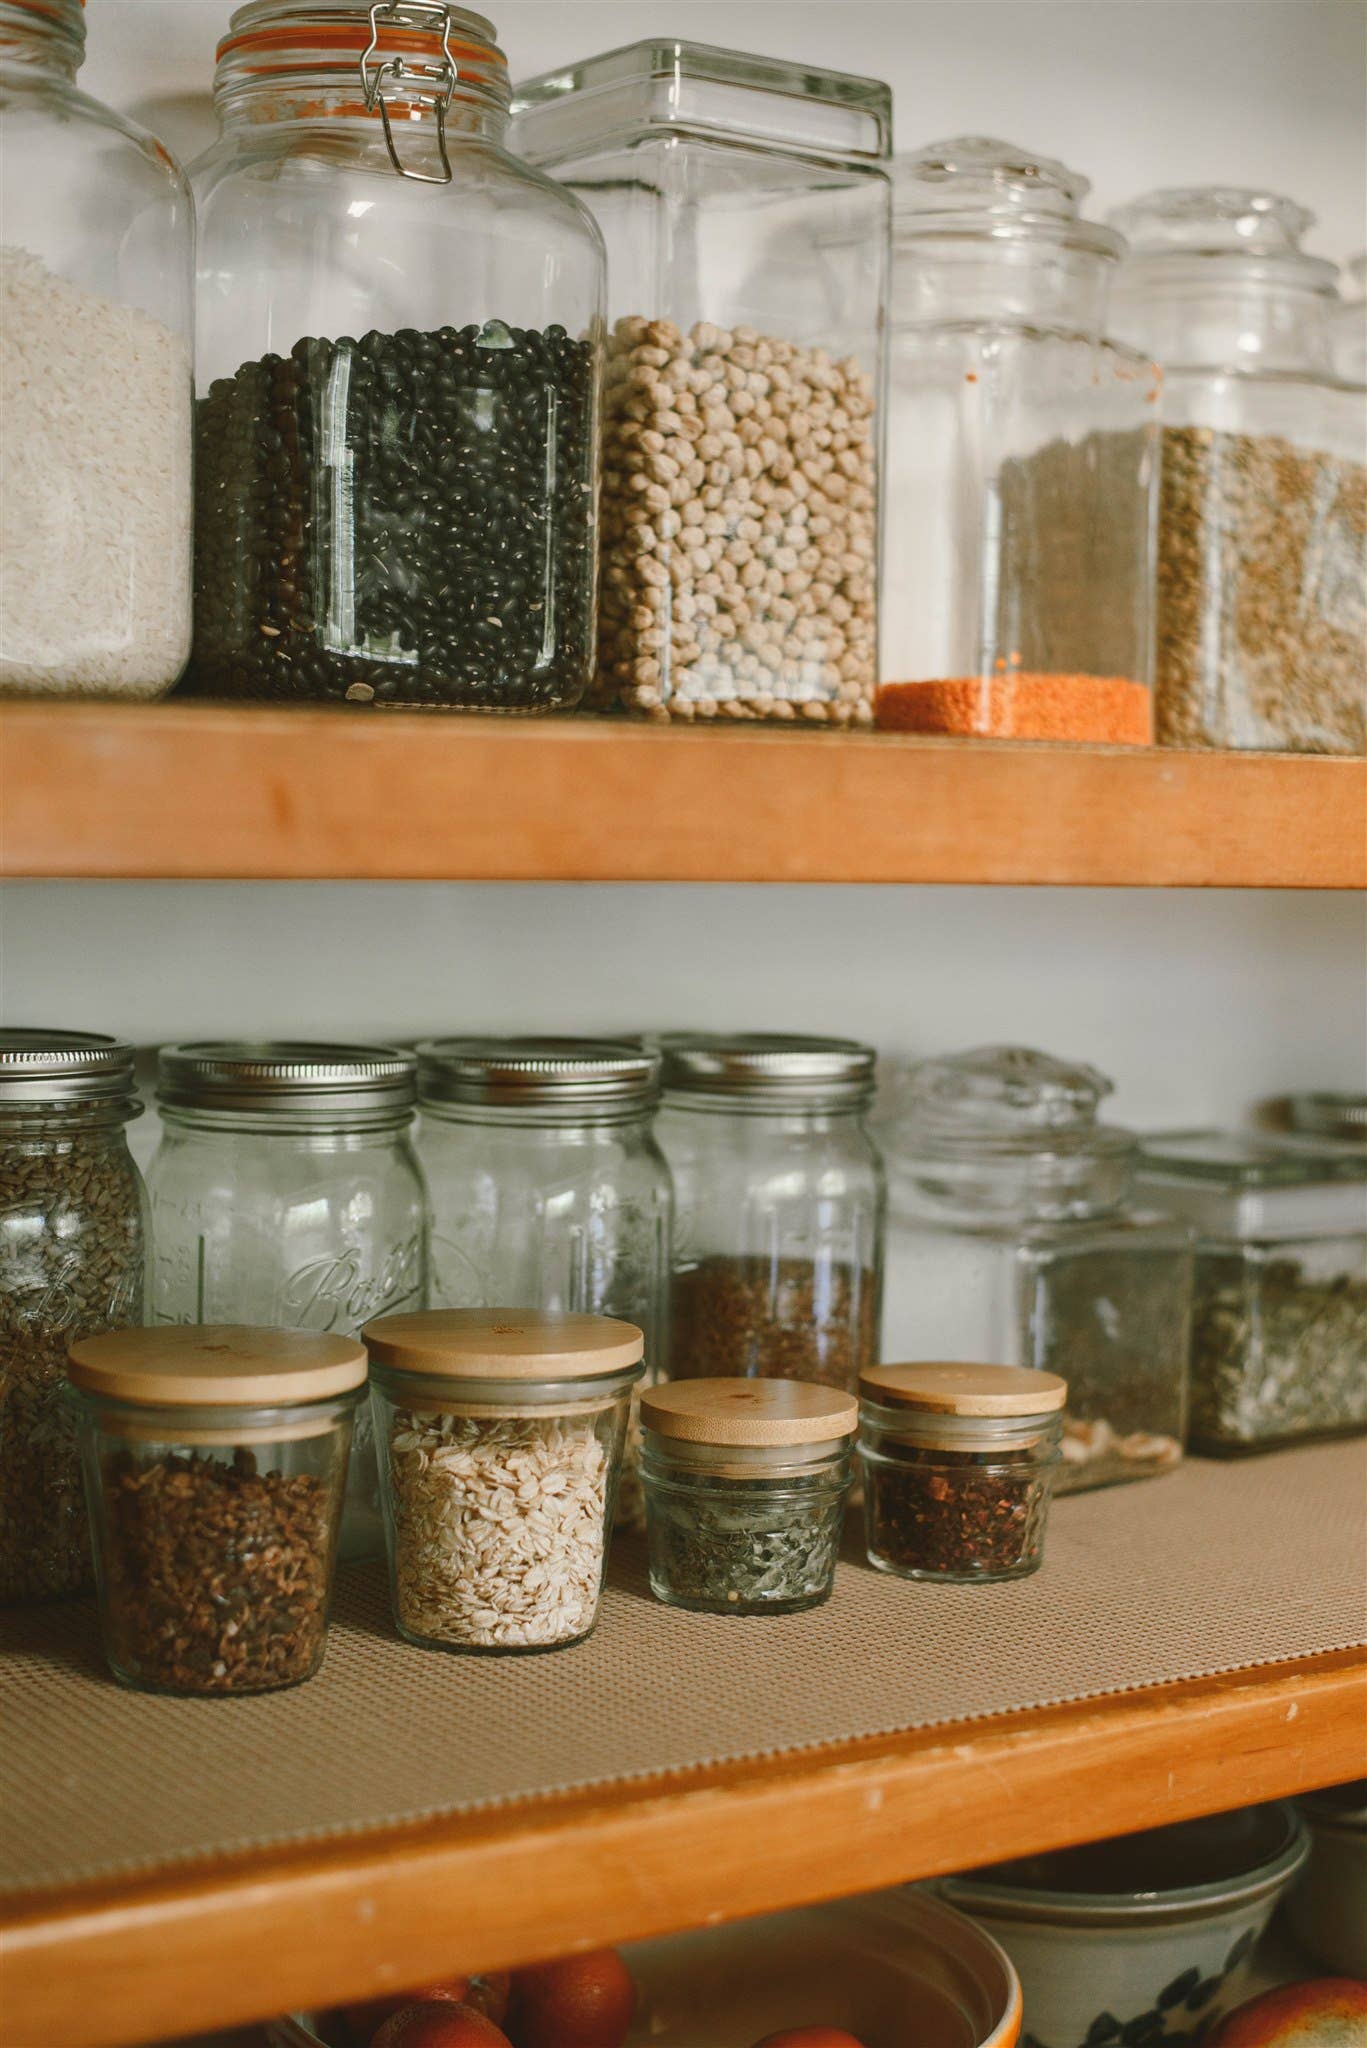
(1279, 1323)
(1350, 324)
(399, 363)
(1262, 544)
(1022, 461)
(73, 1235)
(96, 318)
(744, 201)
(779, 1207)
(1015, 1234)
(286, 1192)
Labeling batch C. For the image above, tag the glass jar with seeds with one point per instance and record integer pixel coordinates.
(1015, 1233)
(73, 1233)
(1262, 535)
(500, 1435)
(958, 1463)
(215, 1465)
(1279, 1323)
(745, 1484)
(399, 359)
(744, 202)
(779, 1207)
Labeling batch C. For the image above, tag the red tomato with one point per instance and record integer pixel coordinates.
(487, 1994)
(580, 2002)
(439, 2024)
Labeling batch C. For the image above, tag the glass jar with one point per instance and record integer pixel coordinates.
(745, 1484)
(779, 1208)
(73, 1225)
(96, 310)
(286, 1191)
(1330, 1114)
(501, 1437)
(1015, 1234)
(1022, 461)
(399, 364)
(744, 201)
(1262, 544)
(1279, 1322)
(215, 1463)
(547, 1186)
(958, 1464)
(1350, 325)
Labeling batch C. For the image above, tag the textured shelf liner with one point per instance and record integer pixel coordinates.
(1213, 1568)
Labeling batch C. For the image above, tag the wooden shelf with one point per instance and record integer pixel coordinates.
(201, 791)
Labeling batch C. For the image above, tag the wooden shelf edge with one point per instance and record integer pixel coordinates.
(246, 1937)
(187, 791)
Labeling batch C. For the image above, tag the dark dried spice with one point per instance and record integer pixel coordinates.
(760, 1318)
(956, 1514)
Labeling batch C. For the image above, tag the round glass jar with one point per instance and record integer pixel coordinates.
(286, 1192)
(500, 1435)
(779, 1208)
(96, 309)
(73, 1231)
(958, 1463)
(215, 1464)
(1349, 322)
(1021, 461)
(399, 363)
(745, 1484)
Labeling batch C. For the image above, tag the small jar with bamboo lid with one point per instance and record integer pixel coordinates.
(958, 1463)
(745, 1484)
(500, 1435)
(215, 1460)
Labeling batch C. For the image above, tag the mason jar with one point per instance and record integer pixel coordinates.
(779, 1208)
(547, 1186)
(286, 1192)
(1015, 1234)
(73, 1232)
(215, 1465)
(96, 309)
(398, 370)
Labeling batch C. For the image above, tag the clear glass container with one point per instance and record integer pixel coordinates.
(1022, 461)
(958, 1464)
(1015, 1234)
(1350, 324)
(1279, 1321)
(73, 1232)
(399, 364)
(779, 1208)
(286, 1191)
(501, 1435)
(744, 201)
(1262, 547)
(215, 1464)
(547, 1185)
(96, 311)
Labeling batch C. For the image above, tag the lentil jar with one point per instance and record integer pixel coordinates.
(779, 1208)
(72, 1247)
(215, 1464)
(500, 1434)
(745, 1484)
(399, 363)
(958, 1463)
(744, 201)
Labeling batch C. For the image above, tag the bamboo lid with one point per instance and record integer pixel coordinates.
(737, 1412)
(504, 1344)
(216, 1365)
(958, 1389)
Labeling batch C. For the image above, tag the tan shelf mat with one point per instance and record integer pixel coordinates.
(1210, 1569)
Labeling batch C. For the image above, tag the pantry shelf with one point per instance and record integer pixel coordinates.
(198, 791)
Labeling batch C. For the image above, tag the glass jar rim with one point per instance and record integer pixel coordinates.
(592, 1076)
(41, 1068)
(766, 1073)
(982, 1434)
(330, 43)
(224, 1427)
(300, 1078)
(667, 1457)
(975, 188)
(1185, 233)
(60, 24)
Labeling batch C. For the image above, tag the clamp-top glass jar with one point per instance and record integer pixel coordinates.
(96, 306)
(1021, 461)
(398, 366)
(1262, 553)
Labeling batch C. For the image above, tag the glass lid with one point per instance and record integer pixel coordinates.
(974, 185)
(1235, 1159)
(1192, 225)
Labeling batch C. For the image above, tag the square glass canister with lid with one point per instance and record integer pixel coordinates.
(1279, 1322)
(745, 205)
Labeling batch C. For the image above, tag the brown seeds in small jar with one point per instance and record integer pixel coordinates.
(939, 1513)
(764, 1318)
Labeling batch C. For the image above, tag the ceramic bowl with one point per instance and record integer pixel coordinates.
(1328, 1907)
(1142, 1941)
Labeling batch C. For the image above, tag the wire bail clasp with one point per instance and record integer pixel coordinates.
(432, 80)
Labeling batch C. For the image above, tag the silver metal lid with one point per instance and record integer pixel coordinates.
(589, 1074)
(1329, 1116)
(286, 1076)
(770, 1070)
(41, 1068)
